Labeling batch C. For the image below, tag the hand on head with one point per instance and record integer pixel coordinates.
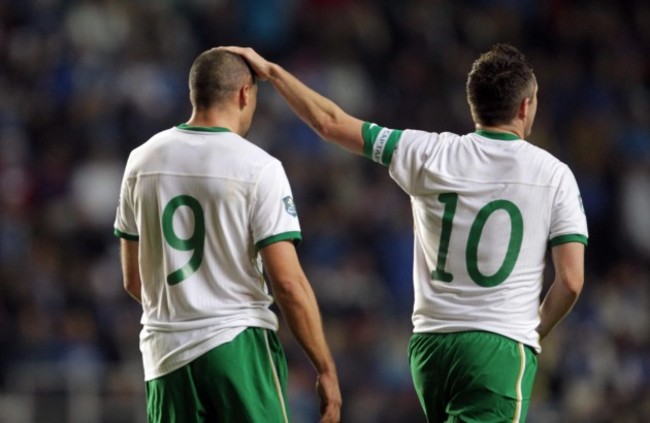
(261, 66)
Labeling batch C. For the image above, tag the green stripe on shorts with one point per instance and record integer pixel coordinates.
(472, 376)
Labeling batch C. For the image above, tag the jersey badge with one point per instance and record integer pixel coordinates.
(290, 205)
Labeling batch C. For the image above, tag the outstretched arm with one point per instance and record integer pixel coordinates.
(296, 299)
(320, 113)
(568, 260)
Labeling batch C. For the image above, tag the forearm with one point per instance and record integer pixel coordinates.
(557, 304)
(314, 109)
(320, 113)
(300, 311)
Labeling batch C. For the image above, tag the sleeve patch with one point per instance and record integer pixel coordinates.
(290, 206)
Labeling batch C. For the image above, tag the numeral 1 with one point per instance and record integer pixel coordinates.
(449, 200)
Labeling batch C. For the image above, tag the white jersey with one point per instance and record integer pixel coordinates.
(486, 206)
(202, 202)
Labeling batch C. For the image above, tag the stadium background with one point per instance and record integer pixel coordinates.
(83, 82)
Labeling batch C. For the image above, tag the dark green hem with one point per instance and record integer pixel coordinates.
(202, 128)
(502, 136)
(563, 239)
(294, 235)
(124, 235)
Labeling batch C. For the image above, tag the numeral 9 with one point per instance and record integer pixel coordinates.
(194, 243)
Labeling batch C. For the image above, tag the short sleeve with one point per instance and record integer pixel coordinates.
(405, 152)
(274, 216)
(125, 225)
(568, 219)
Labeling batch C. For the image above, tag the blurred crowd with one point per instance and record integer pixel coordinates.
(82, 82)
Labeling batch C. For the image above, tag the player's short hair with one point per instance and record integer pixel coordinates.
(499, 80)
(215, 74)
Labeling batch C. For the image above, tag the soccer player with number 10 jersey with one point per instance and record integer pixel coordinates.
(487, 206)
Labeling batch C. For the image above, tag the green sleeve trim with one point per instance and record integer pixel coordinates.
(379, 143)
(124, 235)
(563, 239)
(295, 236)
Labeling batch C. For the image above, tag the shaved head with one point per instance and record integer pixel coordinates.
(215, 75)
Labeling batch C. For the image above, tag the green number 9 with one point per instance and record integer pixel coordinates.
(194, 243)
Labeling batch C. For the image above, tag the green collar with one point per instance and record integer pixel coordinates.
(503, 136)
(203, 128)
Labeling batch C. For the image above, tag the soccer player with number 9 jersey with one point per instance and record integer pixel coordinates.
(486, 208)
(205, 217)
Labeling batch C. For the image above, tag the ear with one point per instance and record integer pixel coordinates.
(524, 107)
(244, 96)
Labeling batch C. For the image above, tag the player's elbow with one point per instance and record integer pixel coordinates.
(325, 127)
(329, 124)
(573, 285)
(289, 291)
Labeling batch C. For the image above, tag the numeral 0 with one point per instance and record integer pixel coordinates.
(194, 243)
(450, 200)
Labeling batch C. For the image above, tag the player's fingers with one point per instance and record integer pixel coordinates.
(247, 52)
(257, 62)
(233, 49)
(330, 408)
(331, 415)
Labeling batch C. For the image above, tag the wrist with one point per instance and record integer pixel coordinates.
(327, 371)
(275, 71)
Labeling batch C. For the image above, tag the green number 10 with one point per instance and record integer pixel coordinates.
(450, 200)
(193, 243)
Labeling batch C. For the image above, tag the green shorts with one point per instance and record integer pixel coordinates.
(241, 381)
(472, 376)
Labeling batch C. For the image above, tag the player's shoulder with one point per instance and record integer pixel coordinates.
(422, 134)
(253, 150)
(546, 163)
(141, 154)
(421, 139)
(254, 161)
(545, 157)
(417, 146)
(424, 144)
(153, 142)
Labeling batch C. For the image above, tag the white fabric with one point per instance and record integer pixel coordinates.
(480, 171)
(245, 199)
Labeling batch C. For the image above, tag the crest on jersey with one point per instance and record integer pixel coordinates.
(290, 205)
